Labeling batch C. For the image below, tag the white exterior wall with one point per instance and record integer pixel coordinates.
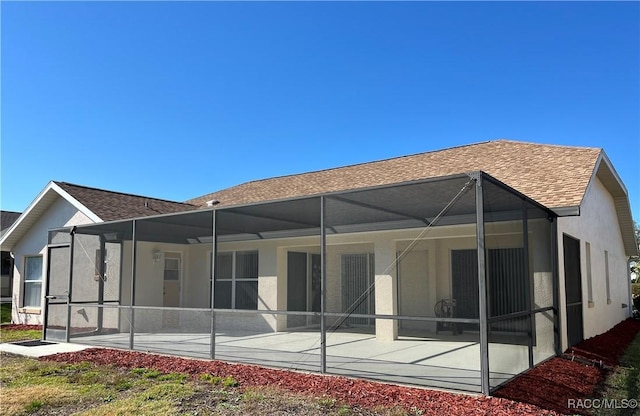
(598, 226)
(60, 214)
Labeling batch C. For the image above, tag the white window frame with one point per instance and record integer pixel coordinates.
(234, 279)
(32, 282)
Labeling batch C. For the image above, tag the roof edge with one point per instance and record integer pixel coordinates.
(120, 193)
(606, 173)
(51, 187)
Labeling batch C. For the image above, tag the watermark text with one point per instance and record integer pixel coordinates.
(602, 404)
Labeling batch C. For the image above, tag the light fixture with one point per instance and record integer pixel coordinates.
(157, 255)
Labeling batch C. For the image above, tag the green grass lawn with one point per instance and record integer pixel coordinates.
(47, 388)
(12, 335)
(624, 381)
(5, 313)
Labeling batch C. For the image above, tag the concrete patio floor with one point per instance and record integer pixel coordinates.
(449, 362)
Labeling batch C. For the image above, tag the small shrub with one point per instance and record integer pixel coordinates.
(173, 377)
(227, 381)
(34, 406)
(123, 385)
(344, 410)
(327, 402)
(210, 378)
(146, 372)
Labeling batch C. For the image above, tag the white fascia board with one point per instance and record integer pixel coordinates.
(86, 211)
(603, 158)
(51, 187)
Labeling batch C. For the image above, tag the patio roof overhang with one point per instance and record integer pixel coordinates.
(407, 205)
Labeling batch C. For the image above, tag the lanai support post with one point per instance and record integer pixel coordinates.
(214, 249)
(323, 287)
(134, 253)
(482, 286)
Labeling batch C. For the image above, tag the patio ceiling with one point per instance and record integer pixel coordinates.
(407, 205)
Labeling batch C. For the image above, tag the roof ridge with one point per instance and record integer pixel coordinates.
(481, 147)
(545, 144)
(121, 193)
(346, 166)
(10, 212)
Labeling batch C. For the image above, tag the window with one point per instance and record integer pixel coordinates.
(171, 267)
(7, 264)
(236, 280)
(32, 281)
(587, 249)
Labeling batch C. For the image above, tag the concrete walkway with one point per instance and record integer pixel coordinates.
(39, 348)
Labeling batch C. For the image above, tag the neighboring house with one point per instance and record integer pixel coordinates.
(346, 270)
(7, 218)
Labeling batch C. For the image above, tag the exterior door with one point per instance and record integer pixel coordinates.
(414, 289)
(296, 287)
(506, 286)
(303, 287)
(55, 325)
(171, 288)
(464, 285)
(573, 289)
(358, 291)
(171, 280)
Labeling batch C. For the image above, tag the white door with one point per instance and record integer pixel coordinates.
(172, 277)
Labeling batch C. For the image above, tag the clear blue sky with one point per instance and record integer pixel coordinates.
(175, 100)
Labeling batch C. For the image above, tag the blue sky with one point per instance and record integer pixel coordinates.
(175, 100)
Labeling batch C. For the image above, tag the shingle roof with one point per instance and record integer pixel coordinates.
(110, 206)
(554, 176)
(7, 218)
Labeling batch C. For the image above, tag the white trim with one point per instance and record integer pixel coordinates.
(86, 211)
(604, 158)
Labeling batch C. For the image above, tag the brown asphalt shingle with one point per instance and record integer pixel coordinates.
(7, 218)
(110, 206)
(554, 176)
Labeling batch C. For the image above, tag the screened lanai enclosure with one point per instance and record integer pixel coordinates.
(447, 282)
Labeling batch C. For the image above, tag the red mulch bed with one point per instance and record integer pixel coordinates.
(355, 392)
(550, 384)
(610, 346)
(543, 390)
(21, 327)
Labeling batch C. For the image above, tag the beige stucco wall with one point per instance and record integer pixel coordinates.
(60, 214)
(427, 270)
(597, 225)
